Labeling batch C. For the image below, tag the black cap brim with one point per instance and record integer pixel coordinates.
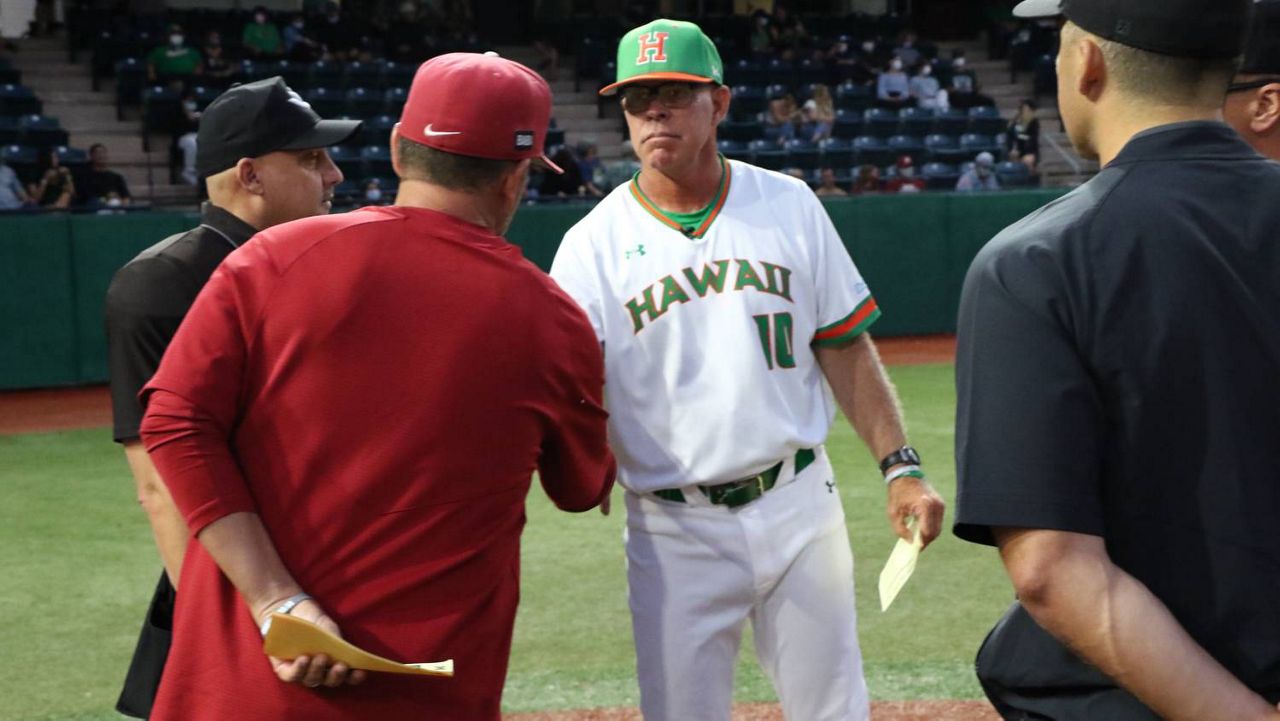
(326, 133)
(1038, 9)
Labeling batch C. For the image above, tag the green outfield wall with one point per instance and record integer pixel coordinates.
(54, 269)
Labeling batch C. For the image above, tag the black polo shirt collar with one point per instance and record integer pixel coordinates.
(1199, 139)
(232, 229)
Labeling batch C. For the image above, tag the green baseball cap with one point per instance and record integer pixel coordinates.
(667, 50)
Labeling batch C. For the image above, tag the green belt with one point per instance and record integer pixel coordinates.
(745, 490)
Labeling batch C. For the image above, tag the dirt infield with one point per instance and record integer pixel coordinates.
(880, 711)
(58, 409)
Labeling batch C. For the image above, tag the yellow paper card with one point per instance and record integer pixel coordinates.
(899, 567)
(291, 637)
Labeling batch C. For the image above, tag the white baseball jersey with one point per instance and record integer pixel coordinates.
(710, 373)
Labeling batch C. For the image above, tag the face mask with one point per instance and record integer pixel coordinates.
(260, 18)
(868, 47)
(959, 63)
(114, 202)
(896, 65)
(297, 24)
(189, 105)
(373, 195)
(176, 40)
(927, 70)
(907, 172)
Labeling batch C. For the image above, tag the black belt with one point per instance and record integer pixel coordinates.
(744, 490)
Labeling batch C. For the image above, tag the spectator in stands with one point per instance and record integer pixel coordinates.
(780, 119)
(893, 88)
(185, 137)
(963, 92)
(926, 89)
(819, 114)
(866, 179)
(1023, 137)
(761, 36)
(564, 185)
(338, 35)
(98, 182)
(219, 71)
(828, 186)
(788, 33)
(174, 62)
(906, 180)
(592, 169)
(408, 38)
(56, 188)
(855, 66)
(261, 38)
(982, 176)
(12, 195)
(624, 169)
(907, 51)
(298, 43)
(548, 64)
(373, 194)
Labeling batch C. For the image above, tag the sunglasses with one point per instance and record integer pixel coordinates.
(636, 99)
(1251, 85)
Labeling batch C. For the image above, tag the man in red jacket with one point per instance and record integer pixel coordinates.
(349, 418)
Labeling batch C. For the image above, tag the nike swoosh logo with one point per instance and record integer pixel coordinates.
(434, 133)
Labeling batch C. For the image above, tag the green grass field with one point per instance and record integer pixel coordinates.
(79, 568)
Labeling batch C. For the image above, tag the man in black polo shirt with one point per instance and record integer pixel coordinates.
(1253, 101)
(1119, 377)
(98, 185)
(261, 150)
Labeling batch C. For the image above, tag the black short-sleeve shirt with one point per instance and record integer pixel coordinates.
(1118, 375)
(149, 297)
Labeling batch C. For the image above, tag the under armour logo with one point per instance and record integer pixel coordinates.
(638, 250)
(653, 48)
(831, 487)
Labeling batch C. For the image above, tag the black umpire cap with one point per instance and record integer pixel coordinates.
(262, 117)
(1209, 29)
(1263, 55)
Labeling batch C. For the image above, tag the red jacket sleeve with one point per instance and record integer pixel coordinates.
(576, 467)
(193, 402)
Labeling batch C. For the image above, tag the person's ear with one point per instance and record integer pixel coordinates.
(395, 150)
(1093, 76)
(720, 97)
(248, 178)
(1265, 118)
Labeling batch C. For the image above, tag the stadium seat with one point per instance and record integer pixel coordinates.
(19, 100)
(398, 75)
(348, 161)
(131, 77)
(741, 130)
(296, 75)
(836, 153)
(748, 100)
(377, 160)
(362, 75)
(849, 124)
(953, 121)
(916, 121)
(204, 95)
(1014, 175)
(555, 137)
(1045, 76)
(849, 96)
(881, 122)
(944, 148)
(779, 72)
(871, 150)
(76, 159)
(745, 72)
(908, 145)
(803, 154)
(768, 154)
(986, 120)
(325, 74)
(160, 108)
(365, 103)
(24, 160)
(973, 143)
(778, 90)
(327, 102)
(735, 150)
(377, 131)
(41, 131)
(10, 131)
(940, 176)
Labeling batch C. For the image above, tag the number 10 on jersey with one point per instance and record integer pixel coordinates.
(776, 339)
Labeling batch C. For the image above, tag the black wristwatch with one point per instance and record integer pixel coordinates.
(905, 454)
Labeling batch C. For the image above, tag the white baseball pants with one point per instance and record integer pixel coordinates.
(696, 573)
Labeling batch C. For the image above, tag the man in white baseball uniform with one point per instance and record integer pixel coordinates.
(731, 314)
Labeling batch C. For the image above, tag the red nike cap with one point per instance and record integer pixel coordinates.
(479, 105)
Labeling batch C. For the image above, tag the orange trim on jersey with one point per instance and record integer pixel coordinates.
(612, 88)
(855, 319)
(657, 213)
